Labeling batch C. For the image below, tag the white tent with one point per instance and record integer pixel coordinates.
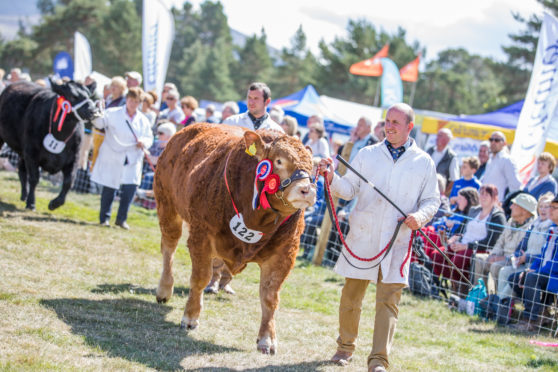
(351, 112)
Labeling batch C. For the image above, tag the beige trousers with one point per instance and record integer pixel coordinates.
(385, 321)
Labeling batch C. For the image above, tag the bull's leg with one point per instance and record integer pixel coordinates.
(213, 286)
(67, 172)
(171, 231)
(273, 273)
(33, 179)
(22, 173)
(201, 274)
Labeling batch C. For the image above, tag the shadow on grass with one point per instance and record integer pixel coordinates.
(134, 289)
(6, 207)
(51, 218)
(131, 329)
(305, 366)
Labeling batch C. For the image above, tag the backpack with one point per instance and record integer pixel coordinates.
(420, 280)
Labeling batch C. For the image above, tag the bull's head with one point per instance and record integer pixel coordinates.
(292, 163)
(79, 96)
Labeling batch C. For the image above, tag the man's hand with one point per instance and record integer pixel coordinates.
(325, 166)
(412, 222)
(140, 145)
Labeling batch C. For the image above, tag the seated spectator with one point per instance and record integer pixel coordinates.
(117, 90)
(541, 278)
(480, 234)
(316, 141)
(188, 105)
(209, 112)
(379, 130)
(165, 131)
(277, 114)
(172, 113)
(166, 88)
(523, 212)
(484, 156)
(529, 248)
(444, 208)
(468, 168)
(289, 125)
(313, 216)
(467, 198)
(146, 104)
(230, 108)
(544, 182)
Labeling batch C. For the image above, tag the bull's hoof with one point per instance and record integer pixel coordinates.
(228, 289)
(267, 346)
(212, 289)
(30, 207)
(54, 204)
(162, 300)
(189, 324)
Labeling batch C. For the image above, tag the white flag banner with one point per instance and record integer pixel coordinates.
(538, 121)
(158, 36)
(82, 57)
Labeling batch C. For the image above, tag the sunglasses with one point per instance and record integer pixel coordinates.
(495, 139)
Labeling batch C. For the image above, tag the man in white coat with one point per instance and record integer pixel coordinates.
(127, 134)
(257, 100)
(407, 175)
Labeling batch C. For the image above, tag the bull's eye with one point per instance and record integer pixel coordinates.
(278, 162)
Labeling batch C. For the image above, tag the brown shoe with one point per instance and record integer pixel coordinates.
(342, 357)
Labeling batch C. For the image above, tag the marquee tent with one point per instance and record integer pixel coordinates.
(307, 102)
(479, 127)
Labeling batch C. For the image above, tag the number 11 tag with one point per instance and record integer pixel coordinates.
(239, 229)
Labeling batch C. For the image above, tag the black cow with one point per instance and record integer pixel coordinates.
(30, 124)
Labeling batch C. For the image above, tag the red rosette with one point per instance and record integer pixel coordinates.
(272, 184)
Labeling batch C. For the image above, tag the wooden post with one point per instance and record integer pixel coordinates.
(321, 245)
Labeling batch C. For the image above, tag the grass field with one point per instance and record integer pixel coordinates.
(76, 296)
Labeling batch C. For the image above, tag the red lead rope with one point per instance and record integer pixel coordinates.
(407, 256)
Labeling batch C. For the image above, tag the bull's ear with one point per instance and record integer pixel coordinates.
(92, 88)
(255, 146)
(55, 85)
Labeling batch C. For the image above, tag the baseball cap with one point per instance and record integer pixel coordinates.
(527, 202)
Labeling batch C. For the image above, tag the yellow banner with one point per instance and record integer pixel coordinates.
(476, 131)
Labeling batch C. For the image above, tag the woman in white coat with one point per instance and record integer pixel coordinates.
(127, 134)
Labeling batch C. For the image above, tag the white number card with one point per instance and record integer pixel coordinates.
(243, 233)
(53, 145)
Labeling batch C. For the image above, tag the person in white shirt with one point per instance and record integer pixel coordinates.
(127, 135)
(501, 170)
(258, 98)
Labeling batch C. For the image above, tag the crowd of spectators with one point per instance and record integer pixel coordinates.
(489, 225)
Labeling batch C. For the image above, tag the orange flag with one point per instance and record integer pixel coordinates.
(409, 72)
(370, 66)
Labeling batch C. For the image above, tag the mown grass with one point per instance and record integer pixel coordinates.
(75, 296)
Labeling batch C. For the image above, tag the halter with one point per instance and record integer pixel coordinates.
(66, 107)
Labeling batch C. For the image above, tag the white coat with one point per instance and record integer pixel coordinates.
(243, 120)
(119, 147)
(410, 183)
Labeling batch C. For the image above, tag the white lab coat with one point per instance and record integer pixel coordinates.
(119, 147)
(410, 183)
(243, 120)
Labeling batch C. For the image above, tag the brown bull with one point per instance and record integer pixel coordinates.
(191, 186)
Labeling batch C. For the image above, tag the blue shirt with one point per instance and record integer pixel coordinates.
(462, 183)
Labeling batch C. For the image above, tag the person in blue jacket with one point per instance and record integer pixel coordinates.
(543, 182)
(542, 276)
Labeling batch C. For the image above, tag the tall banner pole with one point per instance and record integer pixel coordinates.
(413, 89)
(157, 39)
(537, 120)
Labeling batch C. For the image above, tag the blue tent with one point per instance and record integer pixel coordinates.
(506, 117)
(307, 102)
